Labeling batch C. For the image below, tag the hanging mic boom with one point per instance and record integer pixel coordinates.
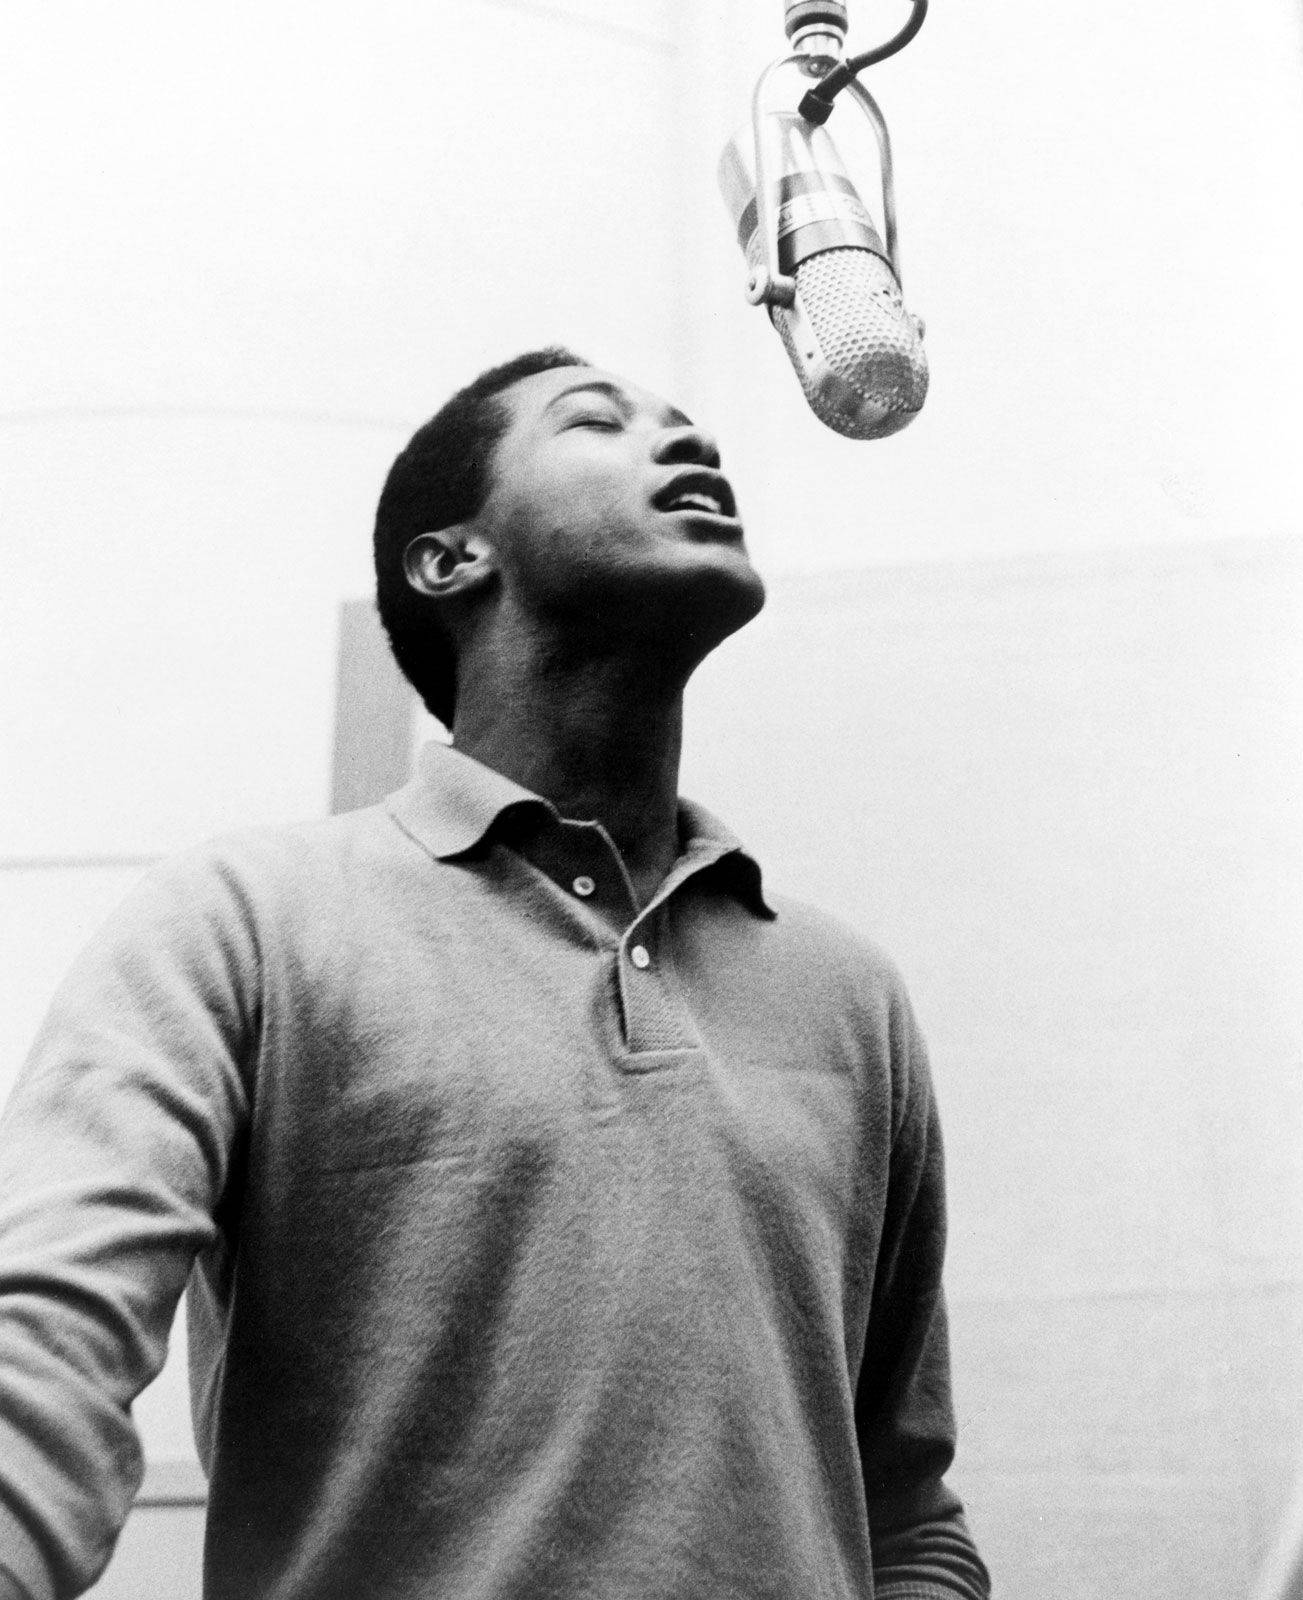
(818, 262)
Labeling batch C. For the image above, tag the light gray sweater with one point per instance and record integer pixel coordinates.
(538, 1247)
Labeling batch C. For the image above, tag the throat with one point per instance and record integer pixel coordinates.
(599, 752)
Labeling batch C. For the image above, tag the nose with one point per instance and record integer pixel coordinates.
(688, 443)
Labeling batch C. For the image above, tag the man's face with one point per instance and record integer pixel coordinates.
(607, 511)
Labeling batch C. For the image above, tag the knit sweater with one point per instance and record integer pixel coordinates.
(539, 1245)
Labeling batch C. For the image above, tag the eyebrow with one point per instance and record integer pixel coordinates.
(612, 391)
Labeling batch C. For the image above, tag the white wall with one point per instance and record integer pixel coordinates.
(1102, 222)
(246, 252)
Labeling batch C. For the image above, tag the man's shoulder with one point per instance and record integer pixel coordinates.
(289, 847)
(848, 989)
(830, 941)
(272, 848)
(255, 871)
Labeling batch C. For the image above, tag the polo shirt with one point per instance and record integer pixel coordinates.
(539, 1244)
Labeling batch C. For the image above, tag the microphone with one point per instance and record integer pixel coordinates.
(818, 262)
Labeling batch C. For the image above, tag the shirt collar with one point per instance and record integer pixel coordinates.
(703, 834)
(454, 802)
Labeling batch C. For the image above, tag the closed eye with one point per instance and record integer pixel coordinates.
(593, 420)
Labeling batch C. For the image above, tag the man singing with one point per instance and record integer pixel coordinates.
(562, 1214)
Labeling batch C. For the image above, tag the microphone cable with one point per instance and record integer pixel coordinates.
(816, 104)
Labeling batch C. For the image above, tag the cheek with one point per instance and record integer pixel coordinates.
(578, 520)
(549, 551)
(566, 530)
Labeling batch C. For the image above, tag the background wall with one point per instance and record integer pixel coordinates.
(1064, 793)
(1101, 222)
(1043, 702)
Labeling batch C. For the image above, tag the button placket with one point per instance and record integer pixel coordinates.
(655, 1017)
(600, 879)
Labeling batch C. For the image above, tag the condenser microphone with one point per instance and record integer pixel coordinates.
(818, 261)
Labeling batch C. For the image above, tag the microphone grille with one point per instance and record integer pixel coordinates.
(860, 355)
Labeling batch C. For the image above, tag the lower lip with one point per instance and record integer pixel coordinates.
(716, 521)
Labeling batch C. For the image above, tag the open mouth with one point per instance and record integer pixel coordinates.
(703, 493)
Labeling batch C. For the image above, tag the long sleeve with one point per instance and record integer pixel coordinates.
(922, 1549)
(115, 1150)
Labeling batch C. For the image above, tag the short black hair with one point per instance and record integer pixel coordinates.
(440, 478)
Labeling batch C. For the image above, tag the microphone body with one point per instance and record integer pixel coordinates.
(857, 352)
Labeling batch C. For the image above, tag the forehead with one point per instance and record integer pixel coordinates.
(530, 400)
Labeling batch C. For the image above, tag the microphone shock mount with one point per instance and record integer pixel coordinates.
(817, 30)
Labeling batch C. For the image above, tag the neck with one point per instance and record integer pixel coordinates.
(600, 739)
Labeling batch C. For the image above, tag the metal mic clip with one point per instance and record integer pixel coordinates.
(817, 30)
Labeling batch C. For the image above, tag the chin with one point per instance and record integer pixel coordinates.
(723, 597)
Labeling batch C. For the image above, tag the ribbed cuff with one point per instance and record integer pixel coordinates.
(912, 1591)
(22, 1566)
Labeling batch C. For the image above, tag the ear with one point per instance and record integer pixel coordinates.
(449, 561)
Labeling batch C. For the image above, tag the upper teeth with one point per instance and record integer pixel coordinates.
(703, 502)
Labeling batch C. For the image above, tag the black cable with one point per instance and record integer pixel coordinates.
(816, 104)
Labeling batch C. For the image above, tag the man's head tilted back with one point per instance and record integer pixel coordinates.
(552, 501)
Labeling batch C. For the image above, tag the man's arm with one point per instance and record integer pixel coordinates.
(922, 1549)
(114, 1153)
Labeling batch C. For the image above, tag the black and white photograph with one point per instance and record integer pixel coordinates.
(651, 800)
